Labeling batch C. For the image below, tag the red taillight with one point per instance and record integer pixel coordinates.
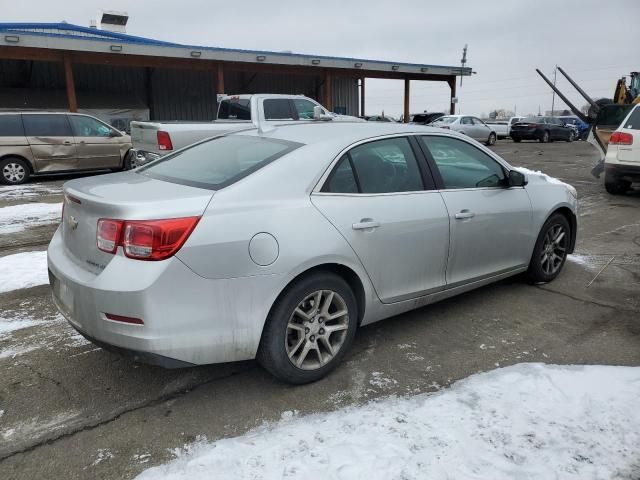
(145, 239)
(621, 138)
(108, 234)
(164, 141)
(120, 318)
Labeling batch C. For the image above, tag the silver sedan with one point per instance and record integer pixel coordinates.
(278, 245)
(470, 126)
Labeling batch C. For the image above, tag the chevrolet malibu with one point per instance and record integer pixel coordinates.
(278, 245)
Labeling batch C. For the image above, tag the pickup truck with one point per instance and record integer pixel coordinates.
(151, 140)
(501, 127)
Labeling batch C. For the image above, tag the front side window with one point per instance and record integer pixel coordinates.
(88, 127)
(461, 165)
(277, 109)
(304, 109)
(219, 162)
(382, 166)
(38, 125)
(11, 126)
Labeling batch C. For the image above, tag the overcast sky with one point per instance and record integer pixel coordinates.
(593, 40)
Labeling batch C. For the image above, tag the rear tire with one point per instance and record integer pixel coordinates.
(550, 251)
(300, 321)
(615, 186)
(492, 139)
(545, 137)
(516, 139)
(572, 137)
(14, 171)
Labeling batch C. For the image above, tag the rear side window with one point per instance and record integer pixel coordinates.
(46, 126)
(11, 126)
(235, 109)
(277, 109)
(219, 162)
(633, 122)
(382, 166)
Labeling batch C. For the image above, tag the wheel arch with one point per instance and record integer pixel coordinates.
(573, 223)
(20, 157)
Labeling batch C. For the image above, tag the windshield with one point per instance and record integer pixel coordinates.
(446, 119)
(235, 109)
(218, 162)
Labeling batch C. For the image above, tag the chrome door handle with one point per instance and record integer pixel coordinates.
(464, 214)
(365, 225)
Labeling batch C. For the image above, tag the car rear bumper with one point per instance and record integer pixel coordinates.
(187, 319)
(623, 171)
(525, 134)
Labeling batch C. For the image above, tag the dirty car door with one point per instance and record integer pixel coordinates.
(51, 141)
(97, 144)
(385, 206)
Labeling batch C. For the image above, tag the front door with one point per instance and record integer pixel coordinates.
(97, 144)
(490, 223)
(384, 204)
(51, 142)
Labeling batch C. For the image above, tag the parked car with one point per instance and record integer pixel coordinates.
(513, 120)
(151, 140)
(543, 129)
(424, 118)
(581, 127)
(622, 162)
(394, 217)
(501, 127)
(471, 126)
(44, 142)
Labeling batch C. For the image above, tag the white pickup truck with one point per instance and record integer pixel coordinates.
(151, 140)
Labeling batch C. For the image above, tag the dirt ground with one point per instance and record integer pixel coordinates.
(71, 410)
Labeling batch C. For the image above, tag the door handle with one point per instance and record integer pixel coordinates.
(464, 214)
(66, 142)
(365, 224)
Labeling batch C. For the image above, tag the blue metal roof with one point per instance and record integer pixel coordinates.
(77, 32)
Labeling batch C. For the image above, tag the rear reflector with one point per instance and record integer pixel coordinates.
(621, 138)
(145, 239)
(120, 318)
(164, 140)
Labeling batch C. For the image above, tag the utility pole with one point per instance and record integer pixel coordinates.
(463, 62)
(553, 97)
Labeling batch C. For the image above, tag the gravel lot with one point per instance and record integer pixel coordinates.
(71, 410)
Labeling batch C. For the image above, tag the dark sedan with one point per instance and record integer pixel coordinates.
(543, 129)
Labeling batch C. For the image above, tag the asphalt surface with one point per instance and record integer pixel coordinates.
(71, 410)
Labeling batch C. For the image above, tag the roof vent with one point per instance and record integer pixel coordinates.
(112, 21)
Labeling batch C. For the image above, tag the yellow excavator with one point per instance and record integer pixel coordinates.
(604, 115)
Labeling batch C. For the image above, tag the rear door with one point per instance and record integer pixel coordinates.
(383, 202)
(490, 223)
(51, 141)
(466, 126)
(97, 144)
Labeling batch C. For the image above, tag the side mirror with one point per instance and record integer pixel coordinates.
(516, 179)
(318, 115)
(114, 133)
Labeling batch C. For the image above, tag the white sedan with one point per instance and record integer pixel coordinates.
(470, 126)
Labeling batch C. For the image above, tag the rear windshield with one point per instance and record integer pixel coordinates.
(633, 122)
(235, 109)
(218, 162)
(446, 119)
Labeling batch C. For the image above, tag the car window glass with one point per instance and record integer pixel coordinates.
(46, 126)
(277, 109)
(304, 109)
(342, 179)
(633, 122)
(477, 121)
(462, 165)
(235, 109)
(88, 127)
(11, 126)
(386, 166)
(466, 121)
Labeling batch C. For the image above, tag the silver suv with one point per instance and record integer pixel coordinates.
(32, 143)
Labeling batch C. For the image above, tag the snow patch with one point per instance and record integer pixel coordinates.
(13, 192)
(23, 270)
(380, 381)
(530, 420)
(102, 455)
(16, 218)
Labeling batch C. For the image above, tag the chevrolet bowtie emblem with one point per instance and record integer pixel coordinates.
(72, 222)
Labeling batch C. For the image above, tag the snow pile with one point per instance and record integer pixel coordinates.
(529, 421)
(19, 192)
(9, 325)
(16, 218)
(23, 270)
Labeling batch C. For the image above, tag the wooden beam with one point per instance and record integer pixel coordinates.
(452, 86)
(71, 88)
(220, 82)
(406, 100)
(328, 90)
(362, 97)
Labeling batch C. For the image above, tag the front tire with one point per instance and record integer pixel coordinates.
(615, 186)
(14, 171)
(492, 139)
(550, 251)
(309, 329)
(545, 137)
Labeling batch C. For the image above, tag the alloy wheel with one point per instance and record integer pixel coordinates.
(317, 329)
(554, 249)
(13, 172)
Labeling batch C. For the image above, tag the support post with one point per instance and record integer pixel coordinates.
(452, 86)
(406, 100)
(220, 82)
(71, 89)
(362, 97)
(328, 90)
